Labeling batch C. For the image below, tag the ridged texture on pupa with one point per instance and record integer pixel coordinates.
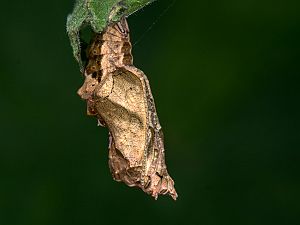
(119, 95)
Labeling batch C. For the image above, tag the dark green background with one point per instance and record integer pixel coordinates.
(225, 77)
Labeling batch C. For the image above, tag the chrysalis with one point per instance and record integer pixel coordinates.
(119, 95)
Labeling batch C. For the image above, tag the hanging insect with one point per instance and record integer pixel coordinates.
(119, 95)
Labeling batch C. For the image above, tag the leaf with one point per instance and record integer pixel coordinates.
(98, 14)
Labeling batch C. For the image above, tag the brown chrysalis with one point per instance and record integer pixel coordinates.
(119, 95)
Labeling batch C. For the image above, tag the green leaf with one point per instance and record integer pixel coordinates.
(98, 14)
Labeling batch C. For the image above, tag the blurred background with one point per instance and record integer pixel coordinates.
(225, 77)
